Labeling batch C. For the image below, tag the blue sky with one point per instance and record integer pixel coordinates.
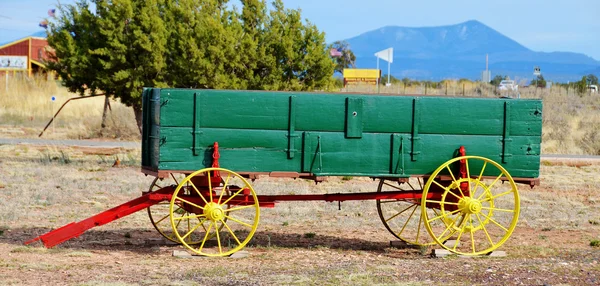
(541, 25)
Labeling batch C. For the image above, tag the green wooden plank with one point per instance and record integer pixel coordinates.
(354, 117)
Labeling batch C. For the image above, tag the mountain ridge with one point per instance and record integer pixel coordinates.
(440, 52)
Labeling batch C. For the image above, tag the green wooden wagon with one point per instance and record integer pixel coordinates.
(448, 167)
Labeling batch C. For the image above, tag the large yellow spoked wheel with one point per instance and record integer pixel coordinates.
(226, 212)
(402, 217)
(159, 213)
(479, 211)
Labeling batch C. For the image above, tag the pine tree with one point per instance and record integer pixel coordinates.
(133, 54)
(128, 44)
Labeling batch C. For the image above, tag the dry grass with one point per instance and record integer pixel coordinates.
(297, 243)
(26, 104)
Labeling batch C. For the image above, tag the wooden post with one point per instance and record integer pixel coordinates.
(106, 104)
(29, 59)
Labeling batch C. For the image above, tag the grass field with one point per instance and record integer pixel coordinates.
(304, 243)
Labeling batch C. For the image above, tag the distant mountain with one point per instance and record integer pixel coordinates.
(458, 51)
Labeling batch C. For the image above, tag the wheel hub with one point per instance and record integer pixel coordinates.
(469, 205)
(214, 212)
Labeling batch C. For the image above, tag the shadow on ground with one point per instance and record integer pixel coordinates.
(146, 240)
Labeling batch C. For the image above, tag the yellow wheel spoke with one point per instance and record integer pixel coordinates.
(499, 195)
(485, 230)
(197, 191)
(485, 191)
(173, 176)
(392, 217)
(495, 222)
(194, 229)
(496, 180)
(188, 217)
(218, 238)
(440, 202)
(238, 221)
(475, 187)
(472, 235)
(468, 178)
(205, 238)
(395, 187)
(239, 208)
(224, 188)
(231, 232)
(188, 225)
(440, 185)
(188, 202)
(204, 227)
(497, 209)
(408, 219)
(419, 228)
(460, 233)
(236, 193)
(455, 195)
(451, 174)
(179, 221)
(482, 169)
(163, 218)
(448, 227)
(210, 189)
(443, 215)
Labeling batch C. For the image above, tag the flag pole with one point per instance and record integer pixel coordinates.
(389, 57)
(378, 78)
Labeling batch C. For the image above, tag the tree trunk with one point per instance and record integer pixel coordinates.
(137, 110)
(104, 112)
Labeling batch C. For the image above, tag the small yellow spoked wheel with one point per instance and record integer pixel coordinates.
(159, 213)
(226, 212)
(402, 217)
(479, 211)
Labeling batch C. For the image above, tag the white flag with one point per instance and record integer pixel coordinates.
(386, 55)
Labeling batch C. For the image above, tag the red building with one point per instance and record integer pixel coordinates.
(24, 55)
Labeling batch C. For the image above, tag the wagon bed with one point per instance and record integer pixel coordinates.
(313, 135)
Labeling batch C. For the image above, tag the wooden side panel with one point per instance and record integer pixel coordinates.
(257, 131)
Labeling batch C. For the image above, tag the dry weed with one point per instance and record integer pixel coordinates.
(26, 103)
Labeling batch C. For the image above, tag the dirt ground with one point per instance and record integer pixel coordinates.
(304, 243)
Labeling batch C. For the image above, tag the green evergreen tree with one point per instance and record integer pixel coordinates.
(581, 86)
(133, 55)
(496, 80)
(72, 37)
(127, 44)
(592, 79)
(347, 60)
(540, 81)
